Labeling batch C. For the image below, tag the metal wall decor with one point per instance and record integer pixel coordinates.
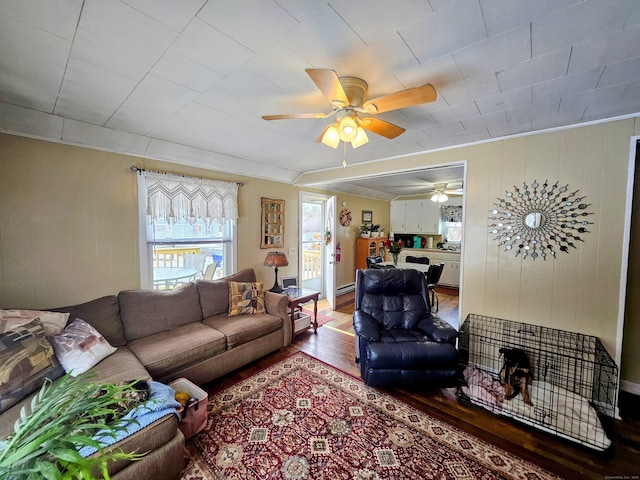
(538, 220)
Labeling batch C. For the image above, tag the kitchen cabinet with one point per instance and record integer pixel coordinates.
(414, 216)
(369, 247)
(451, 272)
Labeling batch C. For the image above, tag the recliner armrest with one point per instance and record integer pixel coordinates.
(366, 326)
(438, 329)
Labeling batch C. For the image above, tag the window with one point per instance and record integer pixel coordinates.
(188, 228)
(451, 220)
(452, 232)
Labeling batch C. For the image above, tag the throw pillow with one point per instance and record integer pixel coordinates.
(80, 346)
(53, 322)
(245, 298)
(26, 359)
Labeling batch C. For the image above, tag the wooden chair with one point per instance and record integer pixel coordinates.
(421, 260)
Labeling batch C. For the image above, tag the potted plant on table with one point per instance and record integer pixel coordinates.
(64, 417)
(395, 247)
(375, 230)
(365, 230)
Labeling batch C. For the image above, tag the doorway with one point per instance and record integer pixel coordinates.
(317, 216)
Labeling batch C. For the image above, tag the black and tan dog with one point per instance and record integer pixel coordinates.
(516, 375)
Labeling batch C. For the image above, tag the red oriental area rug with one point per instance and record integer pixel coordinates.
(303, 419)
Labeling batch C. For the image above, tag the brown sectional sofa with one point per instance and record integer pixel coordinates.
(170, 334)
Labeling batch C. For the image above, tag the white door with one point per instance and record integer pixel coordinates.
(330, 257)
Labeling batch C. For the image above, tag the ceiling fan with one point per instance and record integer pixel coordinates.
(441, 192)
(347, 96)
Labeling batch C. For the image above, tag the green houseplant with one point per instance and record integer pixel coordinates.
(365, 230)
(63, 417)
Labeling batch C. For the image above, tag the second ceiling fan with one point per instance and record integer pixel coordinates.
(347, 96)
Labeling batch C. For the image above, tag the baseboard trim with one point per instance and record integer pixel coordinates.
(350, 287)
(630, 387)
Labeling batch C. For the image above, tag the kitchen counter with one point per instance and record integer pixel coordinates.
(407, 251)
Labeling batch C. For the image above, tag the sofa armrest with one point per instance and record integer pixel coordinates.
(278, 305)
(366, 326)
(438, 329)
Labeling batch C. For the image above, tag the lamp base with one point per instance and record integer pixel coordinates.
(276, 288)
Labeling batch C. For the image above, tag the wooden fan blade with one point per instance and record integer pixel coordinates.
(381, 127)
(405, 98)
(329, 84)
(297, 115)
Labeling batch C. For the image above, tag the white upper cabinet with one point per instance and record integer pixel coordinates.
(414, 216)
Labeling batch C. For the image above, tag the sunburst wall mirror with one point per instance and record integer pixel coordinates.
(539, 220)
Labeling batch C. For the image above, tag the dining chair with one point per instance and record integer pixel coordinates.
(433, 277)
(210, 271)
(413, 259)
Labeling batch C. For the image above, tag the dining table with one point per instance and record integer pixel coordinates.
(169, 277)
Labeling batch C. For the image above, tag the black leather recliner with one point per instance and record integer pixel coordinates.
(398, 340)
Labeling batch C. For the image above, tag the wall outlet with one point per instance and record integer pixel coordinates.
(292, 250)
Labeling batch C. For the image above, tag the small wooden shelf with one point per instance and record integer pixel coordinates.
(272, 229)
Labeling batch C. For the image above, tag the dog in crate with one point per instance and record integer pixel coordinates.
(516, 375)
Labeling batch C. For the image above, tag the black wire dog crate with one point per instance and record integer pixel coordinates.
(574, 379)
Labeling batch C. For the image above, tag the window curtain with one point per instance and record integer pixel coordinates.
(173, 198)
(450, 213)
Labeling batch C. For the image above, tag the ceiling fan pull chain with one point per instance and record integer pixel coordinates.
(344, 158)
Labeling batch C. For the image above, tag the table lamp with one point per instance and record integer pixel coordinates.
(276, 259)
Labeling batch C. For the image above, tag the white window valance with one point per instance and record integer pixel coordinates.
(450, 213)
(173, 198)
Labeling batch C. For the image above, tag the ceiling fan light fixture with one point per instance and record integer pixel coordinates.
(439, 197)
(348, 128)
(361, 138)
(331, 136)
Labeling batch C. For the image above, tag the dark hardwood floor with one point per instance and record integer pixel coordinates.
(334, 344)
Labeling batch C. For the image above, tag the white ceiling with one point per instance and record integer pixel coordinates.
(188, 81)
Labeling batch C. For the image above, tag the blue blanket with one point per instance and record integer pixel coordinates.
(161, 402)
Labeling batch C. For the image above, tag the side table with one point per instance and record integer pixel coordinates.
(298, 296)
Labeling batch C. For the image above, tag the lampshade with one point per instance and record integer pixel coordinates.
(348, 128)
(439, 197)
(360, 139)
(331, 135)
(276, 259)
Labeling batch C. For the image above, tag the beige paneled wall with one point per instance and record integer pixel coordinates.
(579, 291)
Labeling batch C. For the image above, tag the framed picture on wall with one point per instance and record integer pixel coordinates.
(367, 216)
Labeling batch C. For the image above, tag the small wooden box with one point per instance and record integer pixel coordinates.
(301, 321)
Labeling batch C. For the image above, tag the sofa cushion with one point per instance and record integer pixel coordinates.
(147, 312)
(244, 328)
(245, 298)
(214, 294)
(103, 314)
(167, 352)
(26, 359)
(121, 366)
(80, 347)
(52, 322)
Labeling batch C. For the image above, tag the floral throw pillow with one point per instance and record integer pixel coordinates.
(26, 359)
(80, 346)
(245, 298)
